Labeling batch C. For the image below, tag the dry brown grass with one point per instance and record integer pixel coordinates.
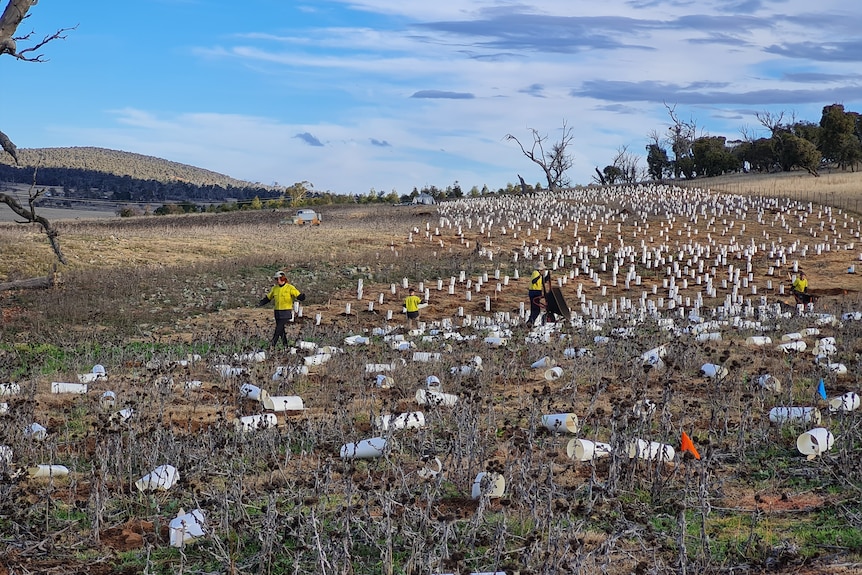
(842, 189)
(179, 240)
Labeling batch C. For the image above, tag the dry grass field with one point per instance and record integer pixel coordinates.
(162, 302)
(22, 193)
(840, 189)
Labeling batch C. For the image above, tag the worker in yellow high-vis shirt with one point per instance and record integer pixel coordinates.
(282, 294)
(536, 292)
(799, 288)
(411, 304)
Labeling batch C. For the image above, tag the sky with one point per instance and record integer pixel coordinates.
(354, 95)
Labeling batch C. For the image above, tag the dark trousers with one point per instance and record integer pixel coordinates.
(535, 309)
(282, 318)
(802, 297)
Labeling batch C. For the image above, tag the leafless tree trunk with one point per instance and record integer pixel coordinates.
(15, 13)
(554, 162)
(32, 283)
(12, 16)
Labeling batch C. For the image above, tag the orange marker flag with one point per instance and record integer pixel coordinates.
(688, 445)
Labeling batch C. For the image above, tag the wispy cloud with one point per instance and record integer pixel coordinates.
(850, 51)
(709, 93)
(309, 139)
(534, 90)
(818, 77)
(520, 31)
(442, 94)
(619, 109)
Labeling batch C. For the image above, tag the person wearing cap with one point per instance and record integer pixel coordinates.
(411, 305)
(536, 291)
(282, 294)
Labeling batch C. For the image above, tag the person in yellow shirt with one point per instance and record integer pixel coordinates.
(411, 304)
(282, 294)
(536, 292)
(800, 288)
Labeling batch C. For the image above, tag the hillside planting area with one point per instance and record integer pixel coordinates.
(148, 428)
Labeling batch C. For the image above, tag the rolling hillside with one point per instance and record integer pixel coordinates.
(136, 166)
(99, 177)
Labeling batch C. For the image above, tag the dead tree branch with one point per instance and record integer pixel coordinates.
(32, 283)
(16, 11)
(58, 35)
(13, 15)
(8, 146)
(30, 216)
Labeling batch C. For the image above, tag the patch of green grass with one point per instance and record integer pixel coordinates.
(770, 460)
(35, 359)
(738, 537)
(299, 444)
(449, 490)
(828, 530)
(518, 526)
(663, 523)
(639, 496)
(47, 359)
(69, 514)
(757, 538)
(77, 420)
(133, 561)
(155, 560)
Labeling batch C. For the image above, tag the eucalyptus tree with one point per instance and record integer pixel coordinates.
(658, 162)
(839, 141)
(712, 157)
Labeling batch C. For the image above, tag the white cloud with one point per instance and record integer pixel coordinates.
(490, 68)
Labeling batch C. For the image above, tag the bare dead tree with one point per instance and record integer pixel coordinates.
(682, 133)
(14, 14)
(524, 188)
(623, 170)
(654, 138)
(628, 165)
(747, 134)
(772, 121)
(554, 162)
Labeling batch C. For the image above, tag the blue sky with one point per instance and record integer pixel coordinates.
(391, 94)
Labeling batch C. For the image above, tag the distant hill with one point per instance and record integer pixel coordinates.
(82, 175)
(136, 166)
